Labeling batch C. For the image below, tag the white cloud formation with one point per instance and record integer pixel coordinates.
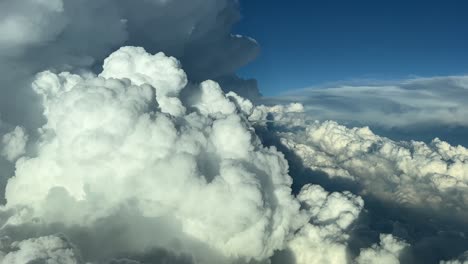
(157, 70)
(14, 144)
(387, 252)
(409, 173)
(200, 179)
(412, 174)
(69, 35)
(188, 176)
(324, 241)
(404, 183)
(47, 250)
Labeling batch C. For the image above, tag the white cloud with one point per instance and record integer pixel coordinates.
(387, 252)
(48, 249)
(411, 174)
(324, 241)
(14, 144)
(163, 73)
(212, 100)
(140, 67)
(201, 178)
(463, 259)
(408, 103)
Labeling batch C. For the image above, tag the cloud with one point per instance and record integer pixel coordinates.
(113, 161)
(157, 70)
(30, 23)
(463, 259)
(387, 252)
(59, 35)
(14, 144)
(145, 158)
(324, 241)
(49, 249)
(408, 173)
(407, 109)
(413, 190)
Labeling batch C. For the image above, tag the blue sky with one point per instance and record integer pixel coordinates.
(307, 43)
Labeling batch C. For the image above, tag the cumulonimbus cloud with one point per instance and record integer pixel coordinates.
(77, 35)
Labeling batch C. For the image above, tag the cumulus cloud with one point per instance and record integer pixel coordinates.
(195, 182)
(387, 252)
(48, 249)
(324, 241)
(403, 183)
(409, 173)
(14, 144)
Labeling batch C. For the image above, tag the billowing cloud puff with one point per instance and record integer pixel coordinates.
(156, 70)
(198, 182)
(412, 190)
(49, 249)
(14, 144)
(140, 67)
(413, 174)
(387, 252)
(324, 241)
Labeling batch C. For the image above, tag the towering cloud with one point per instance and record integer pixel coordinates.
(188, 178)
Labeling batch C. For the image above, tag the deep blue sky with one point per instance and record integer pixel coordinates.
(307, 43)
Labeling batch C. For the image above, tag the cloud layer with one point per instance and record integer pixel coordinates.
(412, 190)
(419, 108)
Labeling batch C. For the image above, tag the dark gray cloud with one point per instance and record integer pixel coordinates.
(71, 35)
